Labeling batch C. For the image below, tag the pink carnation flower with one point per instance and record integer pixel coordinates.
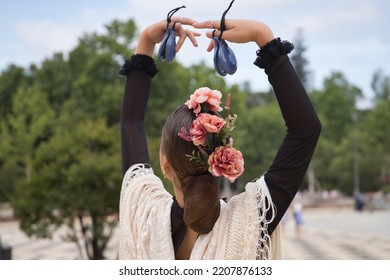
(203, 95)
(198, 134)
(226, 161)
(211, 123)
(204, 124)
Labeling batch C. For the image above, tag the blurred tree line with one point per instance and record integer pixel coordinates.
(60, 137)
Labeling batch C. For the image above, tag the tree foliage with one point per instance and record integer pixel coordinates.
(299, 60)
(381, 86)
(60, 157)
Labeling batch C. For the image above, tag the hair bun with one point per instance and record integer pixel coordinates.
(201, 202)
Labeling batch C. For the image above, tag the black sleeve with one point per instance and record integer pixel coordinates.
(139, 70)
(303, 128)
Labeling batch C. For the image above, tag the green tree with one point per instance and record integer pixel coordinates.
(60, 141)
(55, 78)
(336, 105)
(27, 126)
(77, 176)
(299, 60)
(374, 139)
(380, 84)
(10, 80)
(263, 130)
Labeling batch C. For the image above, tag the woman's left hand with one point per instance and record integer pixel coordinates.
(154, 34)
(238, 31)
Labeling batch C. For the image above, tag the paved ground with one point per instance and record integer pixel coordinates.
(329, 234)
(340, 235)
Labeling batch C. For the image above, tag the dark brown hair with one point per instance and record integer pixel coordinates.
(200, 188)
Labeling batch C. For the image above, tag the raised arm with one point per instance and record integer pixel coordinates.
(303, 127)
(139, 70)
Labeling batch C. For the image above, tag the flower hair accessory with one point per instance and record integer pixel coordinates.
(211, 134)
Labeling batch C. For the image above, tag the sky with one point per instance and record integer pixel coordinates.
(348, 36)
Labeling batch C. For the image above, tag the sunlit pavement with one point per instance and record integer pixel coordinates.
(25, 248)
(339, 234)
(328, 234)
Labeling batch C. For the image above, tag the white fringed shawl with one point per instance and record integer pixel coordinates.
(239, 233)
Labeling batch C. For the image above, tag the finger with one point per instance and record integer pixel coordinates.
(191, 35)
(212, 24)
(182, 37)
(183, 20)
(175, 25)
(211, 46)
(214, 33)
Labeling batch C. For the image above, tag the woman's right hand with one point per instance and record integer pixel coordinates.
(154, 34)
(238, 31)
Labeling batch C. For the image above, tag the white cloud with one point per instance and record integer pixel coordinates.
(45, 36)
(339, 19)
(38, 38)
(153, 10)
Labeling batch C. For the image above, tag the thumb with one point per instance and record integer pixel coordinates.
(211, 45)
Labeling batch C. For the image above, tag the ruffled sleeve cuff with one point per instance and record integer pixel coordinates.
(139, 62)
(271, 51)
